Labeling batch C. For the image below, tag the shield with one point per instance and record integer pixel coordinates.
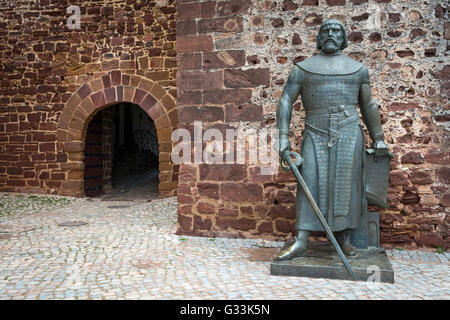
(377, 178)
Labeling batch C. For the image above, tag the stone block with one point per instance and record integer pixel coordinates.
(241, 191)
(195, 43)
(224, 96)
(237, 78)
(224, 59)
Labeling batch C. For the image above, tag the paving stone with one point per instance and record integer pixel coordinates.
(134, 253)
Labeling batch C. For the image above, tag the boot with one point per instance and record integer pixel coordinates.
(297, 249)
(343, 238)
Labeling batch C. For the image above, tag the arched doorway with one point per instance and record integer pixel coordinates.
(100, 94)
(121, 154)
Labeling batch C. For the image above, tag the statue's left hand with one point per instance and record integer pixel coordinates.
(380, 149)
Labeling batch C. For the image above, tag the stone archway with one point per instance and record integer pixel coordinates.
(105, 91)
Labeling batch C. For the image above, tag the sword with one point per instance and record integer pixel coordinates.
(287, 157)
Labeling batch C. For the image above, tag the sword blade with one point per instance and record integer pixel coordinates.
(318, 213)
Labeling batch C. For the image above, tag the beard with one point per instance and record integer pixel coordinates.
(330, 45)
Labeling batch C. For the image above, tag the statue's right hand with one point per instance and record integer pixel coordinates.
(284, 144)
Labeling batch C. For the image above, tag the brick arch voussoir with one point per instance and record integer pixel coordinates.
(110, 89)
(102, 92)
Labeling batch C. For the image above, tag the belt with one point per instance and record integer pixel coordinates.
(331, 133)
(347, 109)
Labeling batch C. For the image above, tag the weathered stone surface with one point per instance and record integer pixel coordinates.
(189, 114)
(296, 40)
(243, 224)
(224, 59)
(241, 192)
(235, 78)
(310, 3)
(233, 7)
(75, 78)
(430, 239)
(398, 76)
(210, 190)
(443, 174)
(282, 212)
(420, 177)
(335, 2)
(184, 222)
(195, 43)
(247, 112)
(313, 19)
(108, 62)
(202, 224)
(410, 198)
(220, 25)
(413, 158)
(188, 173)
(289, 5)
(398, 178)
(222, 172)
(321, 261)
(205, 208)
(223, 96)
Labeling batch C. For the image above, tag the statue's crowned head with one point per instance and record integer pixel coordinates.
(332, 36)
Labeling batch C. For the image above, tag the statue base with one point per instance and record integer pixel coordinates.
(322, 261)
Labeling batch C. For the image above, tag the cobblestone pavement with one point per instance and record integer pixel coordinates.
(13, 205)
(129, 250)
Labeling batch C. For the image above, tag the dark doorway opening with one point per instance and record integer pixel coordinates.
(93, 158)
(135, 165)
(129, 154)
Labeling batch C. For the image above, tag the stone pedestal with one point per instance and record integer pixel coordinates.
(322, 261)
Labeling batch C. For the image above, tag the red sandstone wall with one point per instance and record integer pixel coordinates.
(234, 58)
(47, 70)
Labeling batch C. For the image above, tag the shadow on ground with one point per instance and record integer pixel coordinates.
(137, 186)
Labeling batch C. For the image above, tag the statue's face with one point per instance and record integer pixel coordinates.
(331, 38)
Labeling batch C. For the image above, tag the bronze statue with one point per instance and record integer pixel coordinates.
(333, 144)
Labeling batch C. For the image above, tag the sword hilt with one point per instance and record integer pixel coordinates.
(287, 153)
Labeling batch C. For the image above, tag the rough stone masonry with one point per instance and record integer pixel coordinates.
(240, 54)
(232, 59)
(54, 79)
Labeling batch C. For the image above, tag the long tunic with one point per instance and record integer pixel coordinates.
(332, 147)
